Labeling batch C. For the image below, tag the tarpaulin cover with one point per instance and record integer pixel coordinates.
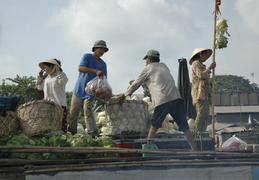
(184, 87)
(157, 173)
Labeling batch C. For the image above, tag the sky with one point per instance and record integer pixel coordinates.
(33, 31)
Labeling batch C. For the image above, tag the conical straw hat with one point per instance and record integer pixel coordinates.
(51, 61)
(197, 50)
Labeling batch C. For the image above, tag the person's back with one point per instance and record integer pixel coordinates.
(165, 96)
(161, 83)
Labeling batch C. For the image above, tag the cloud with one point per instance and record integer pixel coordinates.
(249, 13)
(130, 29)
(11, 67)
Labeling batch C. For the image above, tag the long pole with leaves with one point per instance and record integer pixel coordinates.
(220, 41)
(213, 72)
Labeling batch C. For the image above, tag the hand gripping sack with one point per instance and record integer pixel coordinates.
(99, 88)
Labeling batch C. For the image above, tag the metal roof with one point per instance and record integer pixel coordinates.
(219, 126)
(237, 99)
(236, 109)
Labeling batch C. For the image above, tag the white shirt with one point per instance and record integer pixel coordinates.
(156, 76)
(53, 87)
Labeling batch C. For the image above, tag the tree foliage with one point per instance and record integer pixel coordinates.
(233, 83)
(22, 87)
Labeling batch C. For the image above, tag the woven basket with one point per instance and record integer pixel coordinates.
(129, 116)
(8, 123)
(39, 117)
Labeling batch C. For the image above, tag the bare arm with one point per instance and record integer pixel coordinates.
(84, 69)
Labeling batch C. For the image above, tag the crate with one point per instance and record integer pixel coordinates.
(8, 103)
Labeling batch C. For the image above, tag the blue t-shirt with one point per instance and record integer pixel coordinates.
(83, 78)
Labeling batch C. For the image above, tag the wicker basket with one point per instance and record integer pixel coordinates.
(8, 123)
(40, 117)
(129, 116)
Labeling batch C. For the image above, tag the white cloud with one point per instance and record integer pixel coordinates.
(11, 67)
(249, 13)
(130, 29)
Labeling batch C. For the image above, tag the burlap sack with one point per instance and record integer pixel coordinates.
(8, 123)
(128, 116)
(40, 117)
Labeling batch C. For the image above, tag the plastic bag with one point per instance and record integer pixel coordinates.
(99, 88)
(232, 144)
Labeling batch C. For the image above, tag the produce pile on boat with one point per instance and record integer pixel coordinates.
(57, 140)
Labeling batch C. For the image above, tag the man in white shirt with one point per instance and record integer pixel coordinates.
(166, 97)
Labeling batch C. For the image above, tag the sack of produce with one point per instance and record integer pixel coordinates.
(39, 117)
(127, 116)
(99, 88)
(8, 123)
(232, 144)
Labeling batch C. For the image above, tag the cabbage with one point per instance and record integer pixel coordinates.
(20, 139)
(49, 156)
(146, 99)
(83, 141)
(222, 27)
(80, 129)
(191, 124)
(58, 141)
(34, 156)
(105, 141)
(221, 40)
(43, 142)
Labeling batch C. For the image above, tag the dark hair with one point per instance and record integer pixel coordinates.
(49, 64)
(196, 56)
(58, 61)
(52, 65)
(154, 59)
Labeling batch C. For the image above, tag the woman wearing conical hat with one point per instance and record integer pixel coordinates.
(53, 85)
(201, 87)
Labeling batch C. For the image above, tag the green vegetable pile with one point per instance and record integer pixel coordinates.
(221, 40)
(57, 140)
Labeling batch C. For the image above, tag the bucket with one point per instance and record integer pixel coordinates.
(150, 145)
(126, 144)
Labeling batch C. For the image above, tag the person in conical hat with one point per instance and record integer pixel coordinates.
(201, 89)
(52, 84)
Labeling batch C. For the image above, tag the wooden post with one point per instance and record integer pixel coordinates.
(213, 73)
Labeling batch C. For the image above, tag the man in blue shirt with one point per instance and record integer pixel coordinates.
(90, 66)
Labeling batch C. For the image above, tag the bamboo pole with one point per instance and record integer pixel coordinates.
(190, 163)
(213, 73)
(42, 149)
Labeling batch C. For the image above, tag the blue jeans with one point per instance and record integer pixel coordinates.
(76, 105)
